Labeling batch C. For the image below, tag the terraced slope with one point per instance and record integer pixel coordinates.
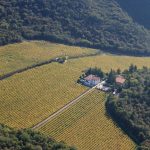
(86, 125)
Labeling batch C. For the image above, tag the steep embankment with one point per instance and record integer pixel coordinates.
(96, 23)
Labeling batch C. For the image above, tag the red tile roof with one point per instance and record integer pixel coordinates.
(120, 79)
(92, 77)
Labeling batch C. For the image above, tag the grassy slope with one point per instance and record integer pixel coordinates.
(86, 125)
(16, 56)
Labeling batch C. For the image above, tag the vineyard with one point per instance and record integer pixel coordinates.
(29, 97)
(86, 125)
(17, 56)
(107, 62)
(32, 96)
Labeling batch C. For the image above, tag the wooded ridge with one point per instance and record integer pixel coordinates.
(97, 23)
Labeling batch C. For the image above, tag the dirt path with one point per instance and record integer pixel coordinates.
(74, 101)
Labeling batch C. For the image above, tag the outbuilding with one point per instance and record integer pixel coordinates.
(120, 80)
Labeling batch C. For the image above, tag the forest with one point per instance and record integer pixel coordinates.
(101, 24)
(138, 10)
(28, 140)
(131, 108)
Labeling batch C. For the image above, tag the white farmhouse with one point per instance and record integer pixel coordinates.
(91, 80)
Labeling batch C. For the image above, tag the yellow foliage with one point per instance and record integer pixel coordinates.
(29, 97)
(86, 126)
(107, 62)
(16, 56)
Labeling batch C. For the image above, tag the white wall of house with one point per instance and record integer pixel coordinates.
(91, 82)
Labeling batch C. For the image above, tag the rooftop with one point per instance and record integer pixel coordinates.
(92, 77)
(120, 79)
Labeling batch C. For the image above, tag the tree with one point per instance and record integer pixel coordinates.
(111, 77)
(95, 71)
(132, 68)
(25, 139)
(118, 71)
(130, 108)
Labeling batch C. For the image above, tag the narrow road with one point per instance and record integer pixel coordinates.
(74, 101)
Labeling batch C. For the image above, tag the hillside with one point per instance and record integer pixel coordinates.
(96, 23)
(138, 10)
(28, 140)
(31, 96)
